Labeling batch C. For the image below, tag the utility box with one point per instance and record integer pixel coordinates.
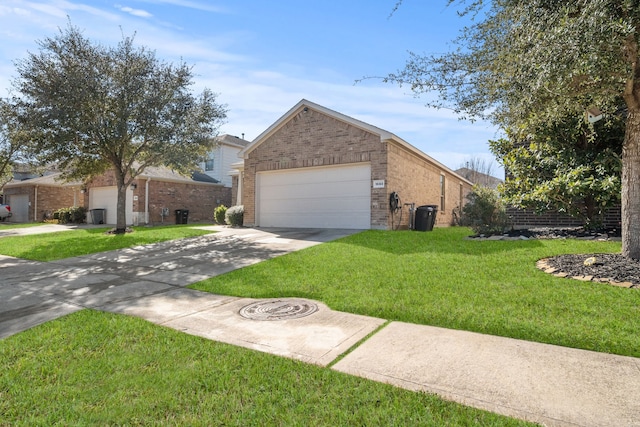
(182, 216)
(425, 217)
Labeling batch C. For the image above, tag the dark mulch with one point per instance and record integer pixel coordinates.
(563, 233)
(607, 266)
(614, 267)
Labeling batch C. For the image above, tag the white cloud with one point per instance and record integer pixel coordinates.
(257, 94)
(197, 5)
(135, 12)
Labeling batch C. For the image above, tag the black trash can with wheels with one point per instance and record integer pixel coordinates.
(182, 216)
(98, 216)
(425, 217)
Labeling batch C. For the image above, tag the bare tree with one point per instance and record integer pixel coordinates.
(479, 171)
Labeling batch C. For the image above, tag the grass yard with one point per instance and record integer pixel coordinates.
(94, 368)
(66, 244)
(11, 226)
(438, 278)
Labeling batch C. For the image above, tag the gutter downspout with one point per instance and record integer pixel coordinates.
(146, 201)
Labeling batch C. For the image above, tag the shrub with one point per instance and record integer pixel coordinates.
(484, 212)
(219, 214)
(74, 214)
(234, 216)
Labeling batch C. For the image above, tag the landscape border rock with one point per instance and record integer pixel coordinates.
(591, 273)
(610, 268)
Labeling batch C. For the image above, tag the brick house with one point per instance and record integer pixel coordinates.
(35, 199)
(151, 199)
(315, 167)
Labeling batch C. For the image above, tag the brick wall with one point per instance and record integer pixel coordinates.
(49, 199)
(527, 218)
(200, 198)
(418, 181)
(312, 138)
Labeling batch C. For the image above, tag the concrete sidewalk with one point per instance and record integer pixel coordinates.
(552, 385)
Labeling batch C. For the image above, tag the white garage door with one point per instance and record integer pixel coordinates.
(19, 204)
(322, 197)
(107, 198)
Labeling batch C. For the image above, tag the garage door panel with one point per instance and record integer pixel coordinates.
(19, 204)
(107, 198)
(324, 206)
(331, 197)
(321, 221)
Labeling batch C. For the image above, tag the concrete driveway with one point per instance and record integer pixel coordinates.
(35, 292)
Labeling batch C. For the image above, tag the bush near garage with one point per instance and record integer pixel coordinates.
(235, 216)
(73, 215)
(484, 212)
(219, 214)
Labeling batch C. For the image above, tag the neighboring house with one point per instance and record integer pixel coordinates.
(152, 198)
(315, 167)
(35, 199)
(479, 178)
(219, 161)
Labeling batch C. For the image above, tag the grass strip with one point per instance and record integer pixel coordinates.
(358, 344)
(440, 279)
(11, 226)
(66, 244)
(95, 368)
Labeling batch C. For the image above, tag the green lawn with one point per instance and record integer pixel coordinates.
(439, 278)
(66, 244)
(94, 368)
(10, 226)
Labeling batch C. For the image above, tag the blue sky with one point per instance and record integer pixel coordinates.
(262, 57)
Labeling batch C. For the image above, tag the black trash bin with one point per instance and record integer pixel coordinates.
(182, 216)
(425, 217)
(98, 216)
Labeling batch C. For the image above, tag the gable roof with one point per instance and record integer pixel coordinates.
(51, 180)
(233, 140)
(385, 136)
(301, 106)
(479, 178)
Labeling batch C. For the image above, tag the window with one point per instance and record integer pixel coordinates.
(208, 164)
(442, 198)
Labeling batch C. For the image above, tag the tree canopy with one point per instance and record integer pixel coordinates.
(534, 63)
(90, 108)
(12, 143)
(573, 168)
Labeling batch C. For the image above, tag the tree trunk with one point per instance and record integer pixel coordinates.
(121, 210)
(631, 187)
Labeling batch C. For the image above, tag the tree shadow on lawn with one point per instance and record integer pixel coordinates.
(449, 241)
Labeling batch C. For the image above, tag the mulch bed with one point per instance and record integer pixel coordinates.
(607, 268)
(613, 269)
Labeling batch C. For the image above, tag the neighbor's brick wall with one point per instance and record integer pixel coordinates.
(527, 218)
(49, 199)
(313, 139)
(417, 180)
(199, 198)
